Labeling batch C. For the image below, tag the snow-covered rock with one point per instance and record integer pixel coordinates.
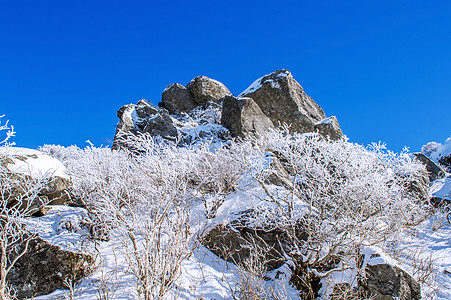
(57, 255)
(440, 153)
(283, 100)
(27, 165)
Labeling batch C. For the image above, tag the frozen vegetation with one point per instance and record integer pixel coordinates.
(195, 213)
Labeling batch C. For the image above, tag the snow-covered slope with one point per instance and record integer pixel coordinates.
(32, 162)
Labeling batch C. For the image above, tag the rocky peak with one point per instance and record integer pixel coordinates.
(283, 100)
(204, 108)
(178, 99)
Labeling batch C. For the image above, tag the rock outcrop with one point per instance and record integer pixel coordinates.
(44, 268)
(283, 100)
(143, 117)
(243, 117)
(178, 99)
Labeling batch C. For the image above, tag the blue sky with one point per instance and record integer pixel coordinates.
(382, 67)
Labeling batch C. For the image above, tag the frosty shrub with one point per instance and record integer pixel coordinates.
(336, 197)
(142, 200)
(19, 197)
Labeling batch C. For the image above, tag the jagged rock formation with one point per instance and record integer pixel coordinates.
(44, 268)
(178, 99)
(283, 100)
(243, 116)
(271, 101)
(143, 117)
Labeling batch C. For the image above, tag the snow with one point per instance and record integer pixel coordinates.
(257, 84)
(441, 188)
(429, 242)
(442, 150)
(253, 87)
(325, 121)
(436, 150)
(33, 162)
(63, 226)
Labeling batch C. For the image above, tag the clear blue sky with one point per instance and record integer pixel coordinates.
(382, 67)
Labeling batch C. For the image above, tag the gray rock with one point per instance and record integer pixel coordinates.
(243, 116)
(176, 99)
(329, 128)
(204, 89)
(143, 117)
(283, 100)
(44, 268)
(389, 282)
(434, 170)
(231, 241)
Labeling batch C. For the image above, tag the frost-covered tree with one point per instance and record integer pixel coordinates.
(333, 198)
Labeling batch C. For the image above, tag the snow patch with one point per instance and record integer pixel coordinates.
(33, 163)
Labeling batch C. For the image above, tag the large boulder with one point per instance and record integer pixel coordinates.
(204, 89)
(243, 116)
(176, 99)
(233, 241)
(143, 117)
(386, 282)
(45, 268)
(283, 100)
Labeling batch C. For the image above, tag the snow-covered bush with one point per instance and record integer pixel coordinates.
(330, 199)
(338, 197)
(19, 196)
(143, 201)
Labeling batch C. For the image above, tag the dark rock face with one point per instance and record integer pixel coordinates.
(283, 100)
(176, 99)
(204, 89)
(44, 267)
(434, 170)
(231, 242)
(243, 116)
(143, 118)
(387, 282)
(329, 128)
